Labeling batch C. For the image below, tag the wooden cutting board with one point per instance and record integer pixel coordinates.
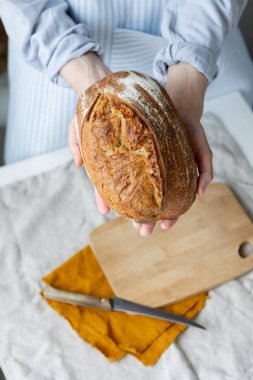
(200, 252)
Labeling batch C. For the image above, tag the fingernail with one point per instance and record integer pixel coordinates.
(136, 225)
(144, 232)
(164, 227)
(204, 188)
(167, 224)
(104, 212)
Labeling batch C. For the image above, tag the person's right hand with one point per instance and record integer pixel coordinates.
(84, 71)
(81, 73)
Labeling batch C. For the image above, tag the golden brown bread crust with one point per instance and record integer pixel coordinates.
(135, 148)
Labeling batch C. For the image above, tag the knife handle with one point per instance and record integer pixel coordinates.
(55, 294)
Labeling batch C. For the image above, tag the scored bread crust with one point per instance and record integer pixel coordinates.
(135, 147)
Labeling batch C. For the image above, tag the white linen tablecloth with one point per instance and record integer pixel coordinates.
(44, 220)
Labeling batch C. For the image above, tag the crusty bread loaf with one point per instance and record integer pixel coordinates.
(135, 148)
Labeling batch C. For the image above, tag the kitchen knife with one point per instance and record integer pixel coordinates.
(114, 304)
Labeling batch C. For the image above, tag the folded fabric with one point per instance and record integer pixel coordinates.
(114, 333)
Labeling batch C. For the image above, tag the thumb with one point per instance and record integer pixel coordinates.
(102, 207)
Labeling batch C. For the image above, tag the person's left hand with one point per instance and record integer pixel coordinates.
(186, 87)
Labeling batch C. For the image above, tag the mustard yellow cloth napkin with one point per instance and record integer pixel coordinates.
(115, 334)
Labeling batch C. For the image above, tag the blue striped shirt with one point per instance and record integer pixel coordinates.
(143, 35)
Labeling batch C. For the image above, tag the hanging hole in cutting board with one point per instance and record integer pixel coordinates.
(245, 249)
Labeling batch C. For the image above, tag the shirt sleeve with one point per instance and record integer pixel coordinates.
(195, 31)
(45, 34)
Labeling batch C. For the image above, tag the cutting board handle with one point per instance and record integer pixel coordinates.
(245, 249)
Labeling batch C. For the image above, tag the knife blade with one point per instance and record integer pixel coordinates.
(115, 304)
